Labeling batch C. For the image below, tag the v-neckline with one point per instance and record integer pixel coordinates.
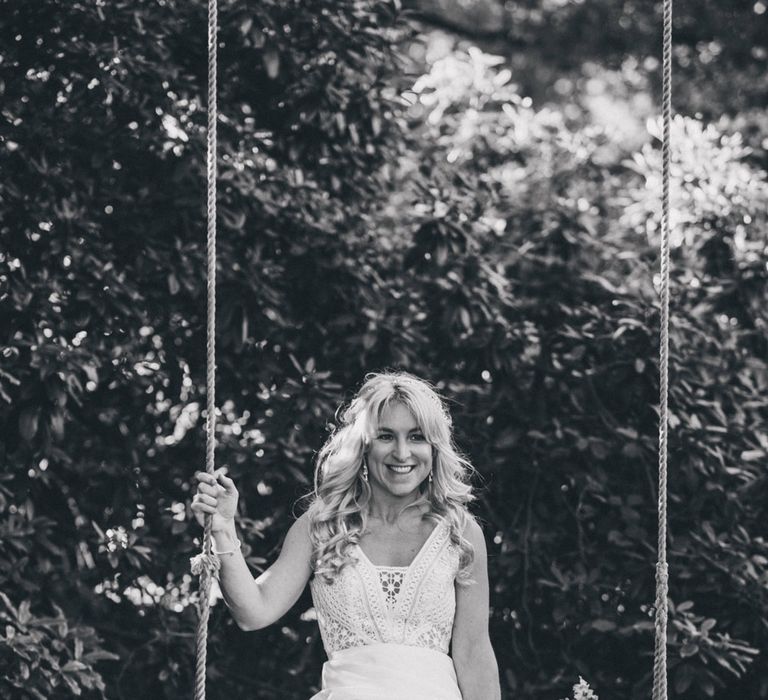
(413, 561)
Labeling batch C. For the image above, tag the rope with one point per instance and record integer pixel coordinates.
(207, 563)
(662, 570)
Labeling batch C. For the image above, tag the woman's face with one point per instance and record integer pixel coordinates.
(399, 457)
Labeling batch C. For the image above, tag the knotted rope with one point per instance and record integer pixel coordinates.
(662, 571)
(207, 563)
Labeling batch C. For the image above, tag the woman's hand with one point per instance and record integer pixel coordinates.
(217, 495)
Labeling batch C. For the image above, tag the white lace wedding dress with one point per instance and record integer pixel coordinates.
(387, 630)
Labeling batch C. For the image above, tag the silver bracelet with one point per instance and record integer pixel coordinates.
(228, 551)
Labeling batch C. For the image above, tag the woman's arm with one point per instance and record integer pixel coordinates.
(254, 603)
(473, 657)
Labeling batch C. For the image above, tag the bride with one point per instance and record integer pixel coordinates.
(398, 569)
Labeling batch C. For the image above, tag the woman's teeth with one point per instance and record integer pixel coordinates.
(400, 470)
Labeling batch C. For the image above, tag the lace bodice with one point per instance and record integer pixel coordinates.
(391, 580)
(411, 605)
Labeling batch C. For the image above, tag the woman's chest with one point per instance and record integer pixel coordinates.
(395, 548)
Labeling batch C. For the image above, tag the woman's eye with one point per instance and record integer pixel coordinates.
(418, 436)
(384, 436)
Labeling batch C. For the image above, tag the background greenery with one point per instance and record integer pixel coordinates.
(477, 204)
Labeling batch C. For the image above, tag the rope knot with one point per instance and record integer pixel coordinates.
(205, 562)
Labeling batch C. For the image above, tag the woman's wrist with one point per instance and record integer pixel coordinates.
(225, 541)
(231, 549)
(226, 534)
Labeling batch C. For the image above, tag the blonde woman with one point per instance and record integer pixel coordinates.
(395, 562)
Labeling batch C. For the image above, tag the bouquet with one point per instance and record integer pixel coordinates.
(582, 691)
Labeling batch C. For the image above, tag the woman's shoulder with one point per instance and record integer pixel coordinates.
(299, 531)
(459, 524)
(314, 513)
(460, 519)
(473, 531)
(303, 521)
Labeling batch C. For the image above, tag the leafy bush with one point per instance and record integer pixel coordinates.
(451, 228)
(45, 657)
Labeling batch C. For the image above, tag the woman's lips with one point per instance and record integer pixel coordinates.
(401, 468)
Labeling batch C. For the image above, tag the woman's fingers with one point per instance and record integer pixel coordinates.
(205, 477)
(200, 507)
(218, 478)
(215, 484)
(226, 482)
(215, 494)
(210, 490)
(205, 498)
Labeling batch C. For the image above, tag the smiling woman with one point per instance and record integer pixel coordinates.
(399, 457)
(396, 564)
(391, 461)
(391, 488)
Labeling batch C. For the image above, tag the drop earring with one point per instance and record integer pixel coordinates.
(365, 472)
(429, 478)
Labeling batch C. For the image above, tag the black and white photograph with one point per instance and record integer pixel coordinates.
(384, 349)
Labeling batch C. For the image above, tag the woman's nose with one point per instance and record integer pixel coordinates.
(402, 450)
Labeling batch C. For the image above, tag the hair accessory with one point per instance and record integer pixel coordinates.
(228, 551)
(365, 472)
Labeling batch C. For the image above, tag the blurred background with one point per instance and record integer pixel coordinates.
(467, 190)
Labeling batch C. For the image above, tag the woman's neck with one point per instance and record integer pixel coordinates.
(390, 511)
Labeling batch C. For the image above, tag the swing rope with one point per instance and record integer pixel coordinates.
(206, 564)
(662, 570)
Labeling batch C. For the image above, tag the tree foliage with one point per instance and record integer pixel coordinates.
(369, 218)
(719, 49)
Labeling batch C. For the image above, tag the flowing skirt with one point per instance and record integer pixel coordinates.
(386, 671)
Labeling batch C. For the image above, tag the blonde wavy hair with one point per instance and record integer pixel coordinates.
(338, 512)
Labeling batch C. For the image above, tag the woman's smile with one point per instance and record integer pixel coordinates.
(401, 469)
(399, 458)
